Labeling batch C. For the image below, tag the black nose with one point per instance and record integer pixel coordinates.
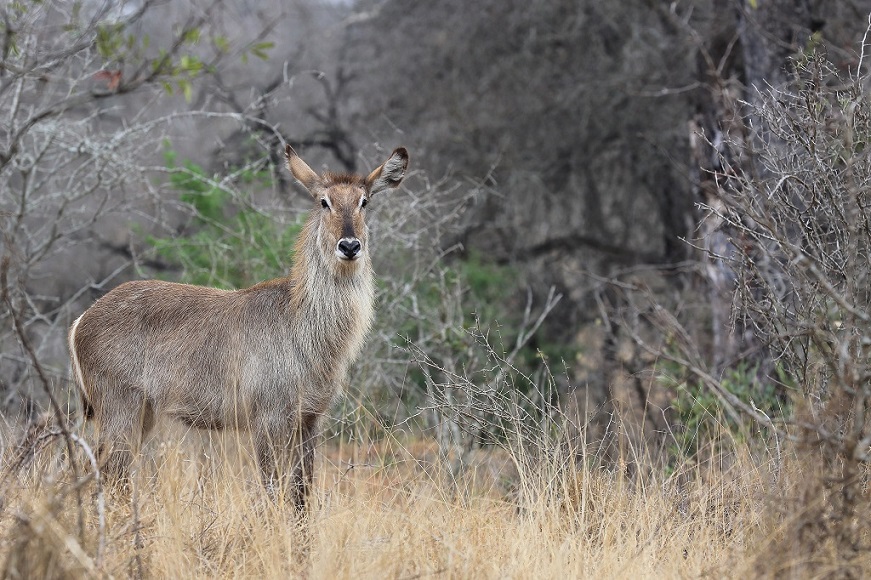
(349, 247)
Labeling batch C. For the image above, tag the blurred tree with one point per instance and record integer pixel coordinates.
(575, 113)
(598, 126)
(558, 102)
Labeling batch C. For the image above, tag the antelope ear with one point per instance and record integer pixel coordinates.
(389, 175)
(301, 171)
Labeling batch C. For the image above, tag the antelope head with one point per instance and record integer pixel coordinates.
(341, 201)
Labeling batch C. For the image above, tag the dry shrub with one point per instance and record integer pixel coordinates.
(795, 205)
(47, 531)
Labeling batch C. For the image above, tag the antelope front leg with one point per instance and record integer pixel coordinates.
(303, 461)
(286, 458)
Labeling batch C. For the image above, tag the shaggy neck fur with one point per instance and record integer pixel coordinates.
(335, 298)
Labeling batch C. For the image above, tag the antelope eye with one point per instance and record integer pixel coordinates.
(324, 203)
(364, 202)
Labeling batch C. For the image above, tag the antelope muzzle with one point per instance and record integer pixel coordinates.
(348, 249)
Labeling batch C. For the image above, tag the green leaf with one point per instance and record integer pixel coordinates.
(159, 63)
(222, 44)
(259, 49)
(109, 40)
(191, 36)
(186, 89)
(191, 64)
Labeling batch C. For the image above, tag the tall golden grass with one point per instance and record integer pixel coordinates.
(388, 509)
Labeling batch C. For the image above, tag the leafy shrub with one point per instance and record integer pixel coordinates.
(229, 243)
(703, 423)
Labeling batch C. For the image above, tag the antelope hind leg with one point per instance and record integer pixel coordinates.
(122, 427)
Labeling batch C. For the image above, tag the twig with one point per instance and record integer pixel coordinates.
(44, 382)
(862, 51)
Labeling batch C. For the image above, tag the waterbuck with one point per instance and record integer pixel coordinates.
(268, 359)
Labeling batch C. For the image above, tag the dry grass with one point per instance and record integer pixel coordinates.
(384, 510)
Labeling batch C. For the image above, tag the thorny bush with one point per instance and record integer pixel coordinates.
(796, 208)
